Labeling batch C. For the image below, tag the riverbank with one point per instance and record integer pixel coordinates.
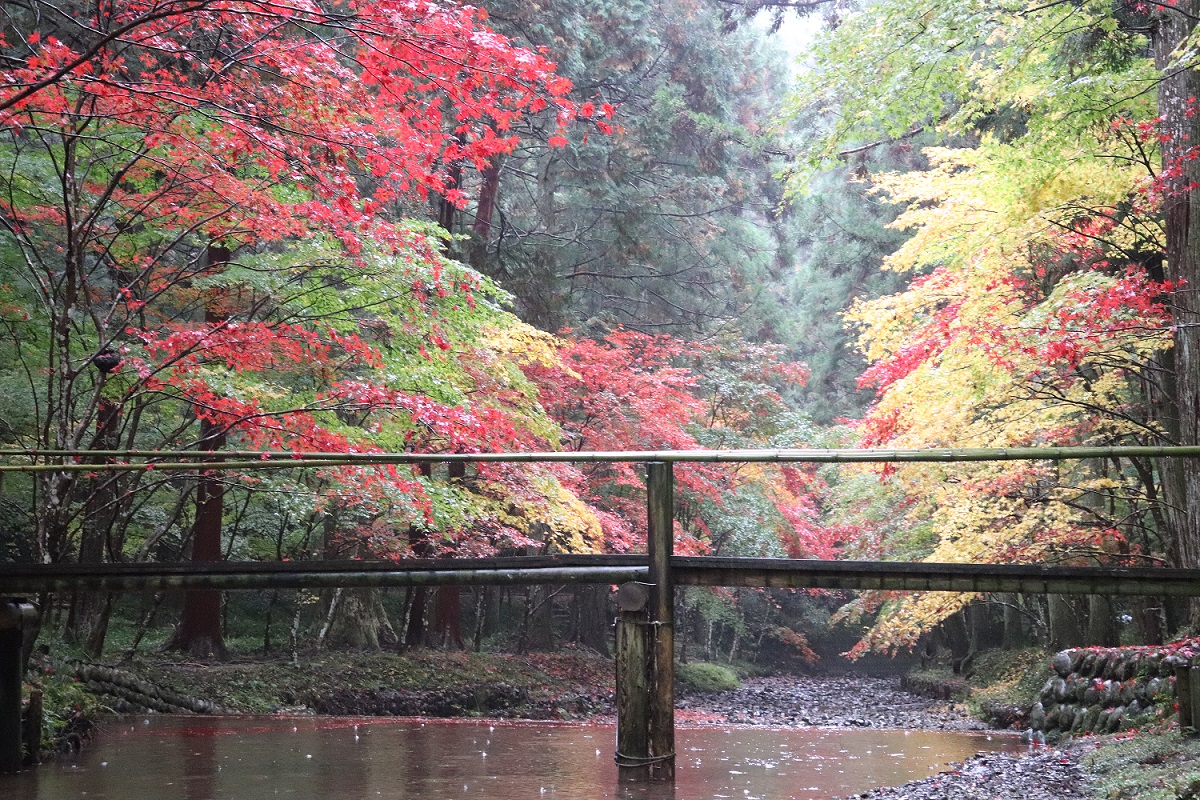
(577, 685)
(570, 684)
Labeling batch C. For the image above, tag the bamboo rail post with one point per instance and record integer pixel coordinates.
(660, 491)
(15, 618)
(633, 694)
(1193, 670)
(1183, 693)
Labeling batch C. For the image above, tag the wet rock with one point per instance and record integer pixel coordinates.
(1039, 775)
(1087, 666)
(1062, 663)
(831, 701)
(1037, 717)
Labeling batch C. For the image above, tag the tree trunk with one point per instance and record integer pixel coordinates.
(489, 194)
(414, 630)
(199, 631)
(1150, 620)
(1014, 623)
(361, 622)
(1064, 622)
(984, 631)
(1101, 625)
(1180, 130)
(87, 622)
(447, 617)
(959, 640)
(595, 618)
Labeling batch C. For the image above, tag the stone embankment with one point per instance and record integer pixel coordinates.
(1103, 690)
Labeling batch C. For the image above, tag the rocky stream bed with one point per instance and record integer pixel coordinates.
(1040, 773)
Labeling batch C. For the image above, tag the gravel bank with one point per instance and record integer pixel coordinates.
(1043, 774)
(831, 702)
(862, 702)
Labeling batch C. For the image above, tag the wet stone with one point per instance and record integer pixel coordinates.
(1062, 663)
(1044, 774)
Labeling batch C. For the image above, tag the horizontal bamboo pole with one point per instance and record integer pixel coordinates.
(940, 577)
(232, 580)
(253, 460)
(23, 580)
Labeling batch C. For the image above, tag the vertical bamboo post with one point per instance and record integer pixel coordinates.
(15, 617)
(1183, 691)
(660, 492)
(633, 695)
(1194, 700)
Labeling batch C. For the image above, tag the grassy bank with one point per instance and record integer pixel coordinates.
(537, 684)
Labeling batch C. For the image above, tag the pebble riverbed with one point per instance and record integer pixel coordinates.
(1041, 773)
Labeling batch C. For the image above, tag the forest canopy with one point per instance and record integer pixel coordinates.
(242, 225)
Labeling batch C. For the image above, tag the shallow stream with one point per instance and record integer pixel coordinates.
(213, 758)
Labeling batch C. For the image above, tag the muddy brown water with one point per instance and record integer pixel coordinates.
(199, 758)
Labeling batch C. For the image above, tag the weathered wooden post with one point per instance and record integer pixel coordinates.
(1182, 669)
(633, 693)
(16, 618)
(660, 490)
(1193, 670)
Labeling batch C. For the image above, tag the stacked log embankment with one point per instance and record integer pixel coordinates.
(1104, 690)
(125, 692)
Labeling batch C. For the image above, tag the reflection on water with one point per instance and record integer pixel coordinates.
(197, 758)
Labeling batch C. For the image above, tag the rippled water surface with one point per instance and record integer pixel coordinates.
(193, 758)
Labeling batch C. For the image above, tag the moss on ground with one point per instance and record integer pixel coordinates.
(1146, 765)
(1007, 678)
(702, 676)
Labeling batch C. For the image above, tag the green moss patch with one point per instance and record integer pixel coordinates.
(1146, 766)
(701, 676)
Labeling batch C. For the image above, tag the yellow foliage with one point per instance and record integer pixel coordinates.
(558, 514)
(977, 372)
(523, 344)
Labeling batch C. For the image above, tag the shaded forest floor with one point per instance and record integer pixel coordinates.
(565, 685)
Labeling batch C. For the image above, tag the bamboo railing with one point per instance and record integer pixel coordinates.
(645, 728)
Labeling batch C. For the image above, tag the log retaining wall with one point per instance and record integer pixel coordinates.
(1103, 690)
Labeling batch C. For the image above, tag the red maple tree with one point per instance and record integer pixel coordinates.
(153, 144)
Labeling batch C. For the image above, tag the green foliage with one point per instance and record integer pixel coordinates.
(969, 67)
(669, 224)
(64, 703)
(1034, 246)
(839, 235)
(702, 676)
